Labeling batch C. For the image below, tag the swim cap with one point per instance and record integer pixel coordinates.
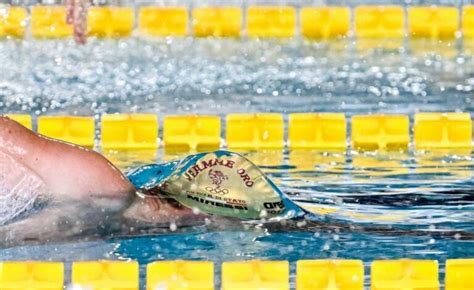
(220, 183)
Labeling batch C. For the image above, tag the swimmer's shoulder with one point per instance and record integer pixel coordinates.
(13, 132)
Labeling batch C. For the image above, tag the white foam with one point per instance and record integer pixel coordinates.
(19, 188)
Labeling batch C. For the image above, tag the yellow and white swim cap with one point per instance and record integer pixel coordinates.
(220, 183)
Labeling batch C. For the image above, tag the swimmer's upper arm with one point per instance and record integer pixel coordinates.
(10, 129)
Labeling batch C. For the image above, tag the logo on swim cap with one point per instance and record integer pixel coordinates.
(217, 178)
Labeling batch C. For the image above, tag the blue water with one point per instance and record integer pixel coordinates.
(424, 200)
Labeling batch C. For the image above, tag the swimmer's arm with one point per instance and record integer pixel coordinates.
(39, 228)
(67, 170)
(86, 220)
(62, 222)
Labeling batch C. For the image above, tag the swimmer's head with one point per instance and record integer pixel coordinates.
(219, 183)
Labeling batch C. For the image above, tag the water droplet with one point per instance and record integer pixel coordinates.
(173, 227)
(301, 224)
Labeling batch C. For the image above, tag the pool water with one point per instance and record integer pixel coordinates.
(188, 75)
(423, 201)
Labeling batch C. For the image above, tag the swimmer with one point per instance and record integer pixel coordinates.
(35, 169)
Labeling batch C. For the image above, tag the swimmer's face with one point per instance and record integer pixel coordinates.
(160, 209)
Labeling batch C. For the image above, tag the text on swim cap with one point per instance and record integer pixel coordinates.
(195, 170)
